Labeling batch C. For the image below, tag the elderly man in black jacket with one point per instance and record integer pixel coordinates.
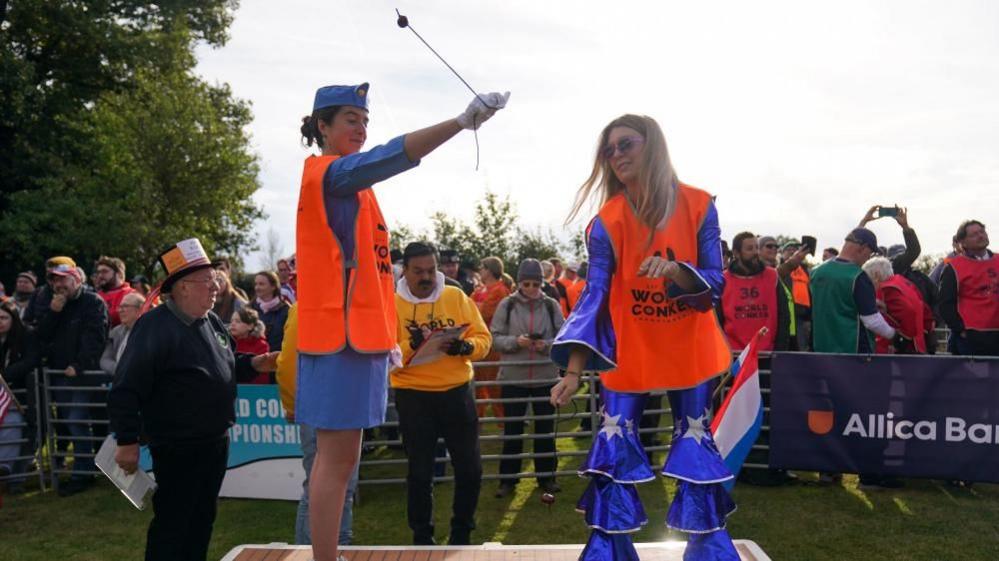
(71, 336)
(175, 384)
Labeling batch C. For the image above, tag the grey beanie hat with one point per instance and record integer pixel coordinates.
(530, 269)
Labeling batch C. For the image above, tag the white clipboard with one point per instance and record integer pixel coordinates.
(429, 351)
(138, 487)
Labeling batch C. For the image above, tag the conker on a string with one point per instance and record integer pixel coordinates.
(403, 21)
(548, 499)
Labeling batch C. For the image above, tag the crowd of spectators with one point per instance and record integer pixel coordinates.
(78, 327)
(861, 298)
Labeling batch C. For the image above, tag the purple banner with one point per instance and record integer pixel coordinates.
(910, 416)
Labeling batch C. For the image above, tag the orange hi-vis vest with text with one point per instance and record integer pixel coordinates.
(662, 343)
(977, 292)
(749, 303)
(330, 315)
(799, 287)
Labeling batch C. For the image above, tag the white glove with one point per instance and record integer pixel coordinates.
(479, 112)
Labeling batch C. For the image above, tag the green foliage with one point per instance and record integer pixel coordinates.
(108, 141)
(494, 231)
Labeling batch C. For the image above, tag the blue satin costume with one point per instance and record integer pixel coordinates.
(616, 461)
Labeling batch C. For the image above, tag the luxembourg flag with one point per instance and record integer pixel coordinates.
(738, 421)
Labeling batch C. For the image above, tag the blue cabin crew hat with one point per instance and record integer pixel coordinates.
(328, 96)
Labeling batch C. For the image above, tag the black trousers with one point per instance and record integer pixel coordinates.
(515, 428)
(188, 479)
(423, 418)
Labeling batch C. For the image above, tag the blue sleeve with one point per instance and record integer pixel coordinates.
(589, 324)
(348, 175)
(709, 274)
(864, 296)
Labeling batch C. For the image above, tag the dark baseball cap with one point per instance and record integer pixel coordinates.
(865, 237)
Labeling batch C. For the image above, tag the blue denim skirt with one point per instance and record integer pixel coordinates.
(346, 390)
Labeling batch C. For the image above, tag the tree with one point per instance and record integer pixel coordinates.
(273, 251)
(537, 244)
(169, 160)
(927, 262)
(108, 142)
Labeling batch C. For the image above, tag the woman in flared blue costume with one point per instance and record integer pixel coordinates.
(645, 322)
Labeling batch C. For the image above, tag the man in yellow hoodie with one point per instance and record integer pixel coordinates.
(434, 398)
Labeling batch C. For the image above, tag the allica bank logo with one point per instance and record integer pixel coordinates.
(820, 421)
(888, 426)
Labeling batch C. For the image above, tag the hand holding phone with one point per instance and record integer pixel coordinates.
(887, 211)
(811, 243)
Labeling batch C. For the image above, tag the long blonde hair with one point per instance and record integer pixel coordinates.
(657, 201)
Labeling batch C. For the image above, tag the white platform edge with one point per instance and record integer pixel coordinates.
(488, 546)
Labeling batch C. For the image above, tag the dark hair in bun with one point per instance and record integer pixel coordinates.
(310, 124)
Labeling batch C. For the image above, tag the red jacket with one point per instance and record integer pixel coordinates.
(255, 345)
(112, 298)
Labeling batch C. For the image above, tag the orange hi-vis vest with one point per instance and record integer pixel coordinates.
(799, 287)
(749, 303)
(573, 293)
(330, 315)
(662, 343)
(977, 292)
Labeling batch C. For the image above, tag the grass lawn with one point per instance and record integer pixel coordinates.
(926, 520)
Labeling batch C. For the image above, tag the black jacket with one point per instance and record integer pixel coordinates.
(274, 321)
(76, 335)
(176, 381)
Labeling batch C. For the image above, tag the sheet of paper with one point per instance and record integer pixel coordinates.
(138, 487)
(430, 351)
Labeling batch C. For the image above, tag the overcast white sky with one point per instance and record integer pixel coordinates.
(797, 115)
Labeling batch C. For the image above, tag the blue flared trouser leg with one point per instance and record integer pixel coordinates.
(701, 504)
(616, 462)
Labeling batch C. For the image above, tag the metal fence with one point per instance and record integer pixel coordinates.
(74, 411)
(586, 407)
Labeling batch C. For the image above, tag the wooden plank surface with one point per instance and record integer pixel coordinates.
(647, 552)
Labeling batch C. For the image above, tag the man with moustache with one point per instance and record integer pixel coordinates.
(969, 293)
(753, 298)
(71, 335)
(109, 275)
(434, 399)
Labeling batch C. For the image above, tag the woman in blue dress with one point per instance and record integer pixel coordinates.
(346, 310)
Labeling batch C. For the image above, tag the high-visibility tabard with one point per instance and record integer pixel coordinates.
(977, 292)
(749, 303)
(663, 343)
(330, 315)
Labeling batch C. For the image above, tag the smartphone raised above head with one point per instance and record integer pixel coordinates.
(811, 243)
(887, 211)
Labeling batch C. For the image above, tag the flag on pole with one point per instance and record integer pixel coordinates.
(737, 423)
(6, 400)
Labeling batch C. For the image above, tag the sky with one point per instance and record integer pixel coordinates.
(798, 116)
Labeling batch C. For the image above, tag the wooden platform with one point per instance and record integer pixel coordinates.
(666, 551)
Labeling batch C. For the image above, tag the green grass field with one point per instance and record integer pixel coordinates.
(926, 520)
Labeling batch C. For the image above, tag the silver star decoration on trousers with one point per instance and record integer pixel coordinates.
(697, 428)
(611, 426)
